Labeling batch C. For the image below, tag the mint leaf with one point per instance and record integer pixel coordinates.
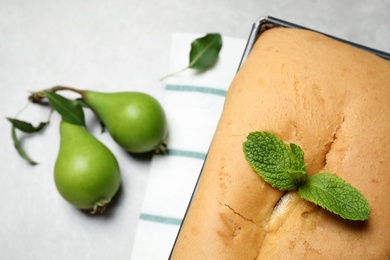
(204, 51)
(334, 194)
(297, 155)
(277, 163)
(70, 110)
(282, 166)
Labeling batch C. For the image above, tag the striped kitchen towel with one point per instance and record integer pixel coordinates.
(193, 102)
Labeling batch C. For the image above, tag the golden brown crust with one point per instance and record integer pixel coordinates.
(331, 99)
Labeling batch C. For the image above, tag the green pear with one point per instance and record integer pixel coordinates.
(86, 172)
(135, 120)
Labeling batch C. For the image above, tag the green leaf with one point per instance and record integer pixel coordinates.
(277, 163)
(334, 194)
(70, 110)
(205, 51)
(283, 167)
(19, 147)
(298, 155)
(25, 126)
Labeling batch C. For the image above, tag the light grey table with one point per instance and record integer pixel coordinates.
(115, 45)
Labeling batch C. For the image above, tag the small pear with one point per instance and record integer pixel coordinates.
(135, 120)
(86, 172)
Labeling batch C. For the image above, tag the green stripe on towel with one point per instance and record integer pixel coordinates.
(190, 154)
(160, 219)
(206, 90)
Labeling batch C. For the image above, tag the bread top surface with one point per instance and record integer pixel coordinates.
(332, 100)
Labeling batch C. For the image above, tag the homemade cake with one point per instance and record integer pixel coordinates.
(331, 99)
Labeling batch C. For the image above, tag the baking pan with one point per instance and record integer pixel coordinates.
(266, 23)
(269, 22)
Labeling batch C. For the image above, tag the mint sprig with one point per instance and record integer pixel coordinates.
(277, 163)
(283, 167)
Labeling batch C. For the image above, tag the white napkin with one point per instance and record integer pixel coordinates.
(193, 103)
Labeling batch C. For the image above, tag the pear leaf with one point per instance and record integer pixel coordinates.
(25, 126)
(70, 110)
(19, 147)
(204, 51)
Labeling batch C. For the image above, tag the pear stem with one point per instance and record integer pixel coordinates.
(58, 88)
(163, 147)
(100, 206)
(21, 110)
(174, 73)
(36, 97)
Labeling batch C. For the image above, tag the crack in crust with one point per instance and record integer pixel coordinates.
(273, 225)
(328, 146)
(237, 213)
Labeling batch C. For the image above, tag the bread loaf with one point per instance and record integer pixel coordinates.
(331, 99)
